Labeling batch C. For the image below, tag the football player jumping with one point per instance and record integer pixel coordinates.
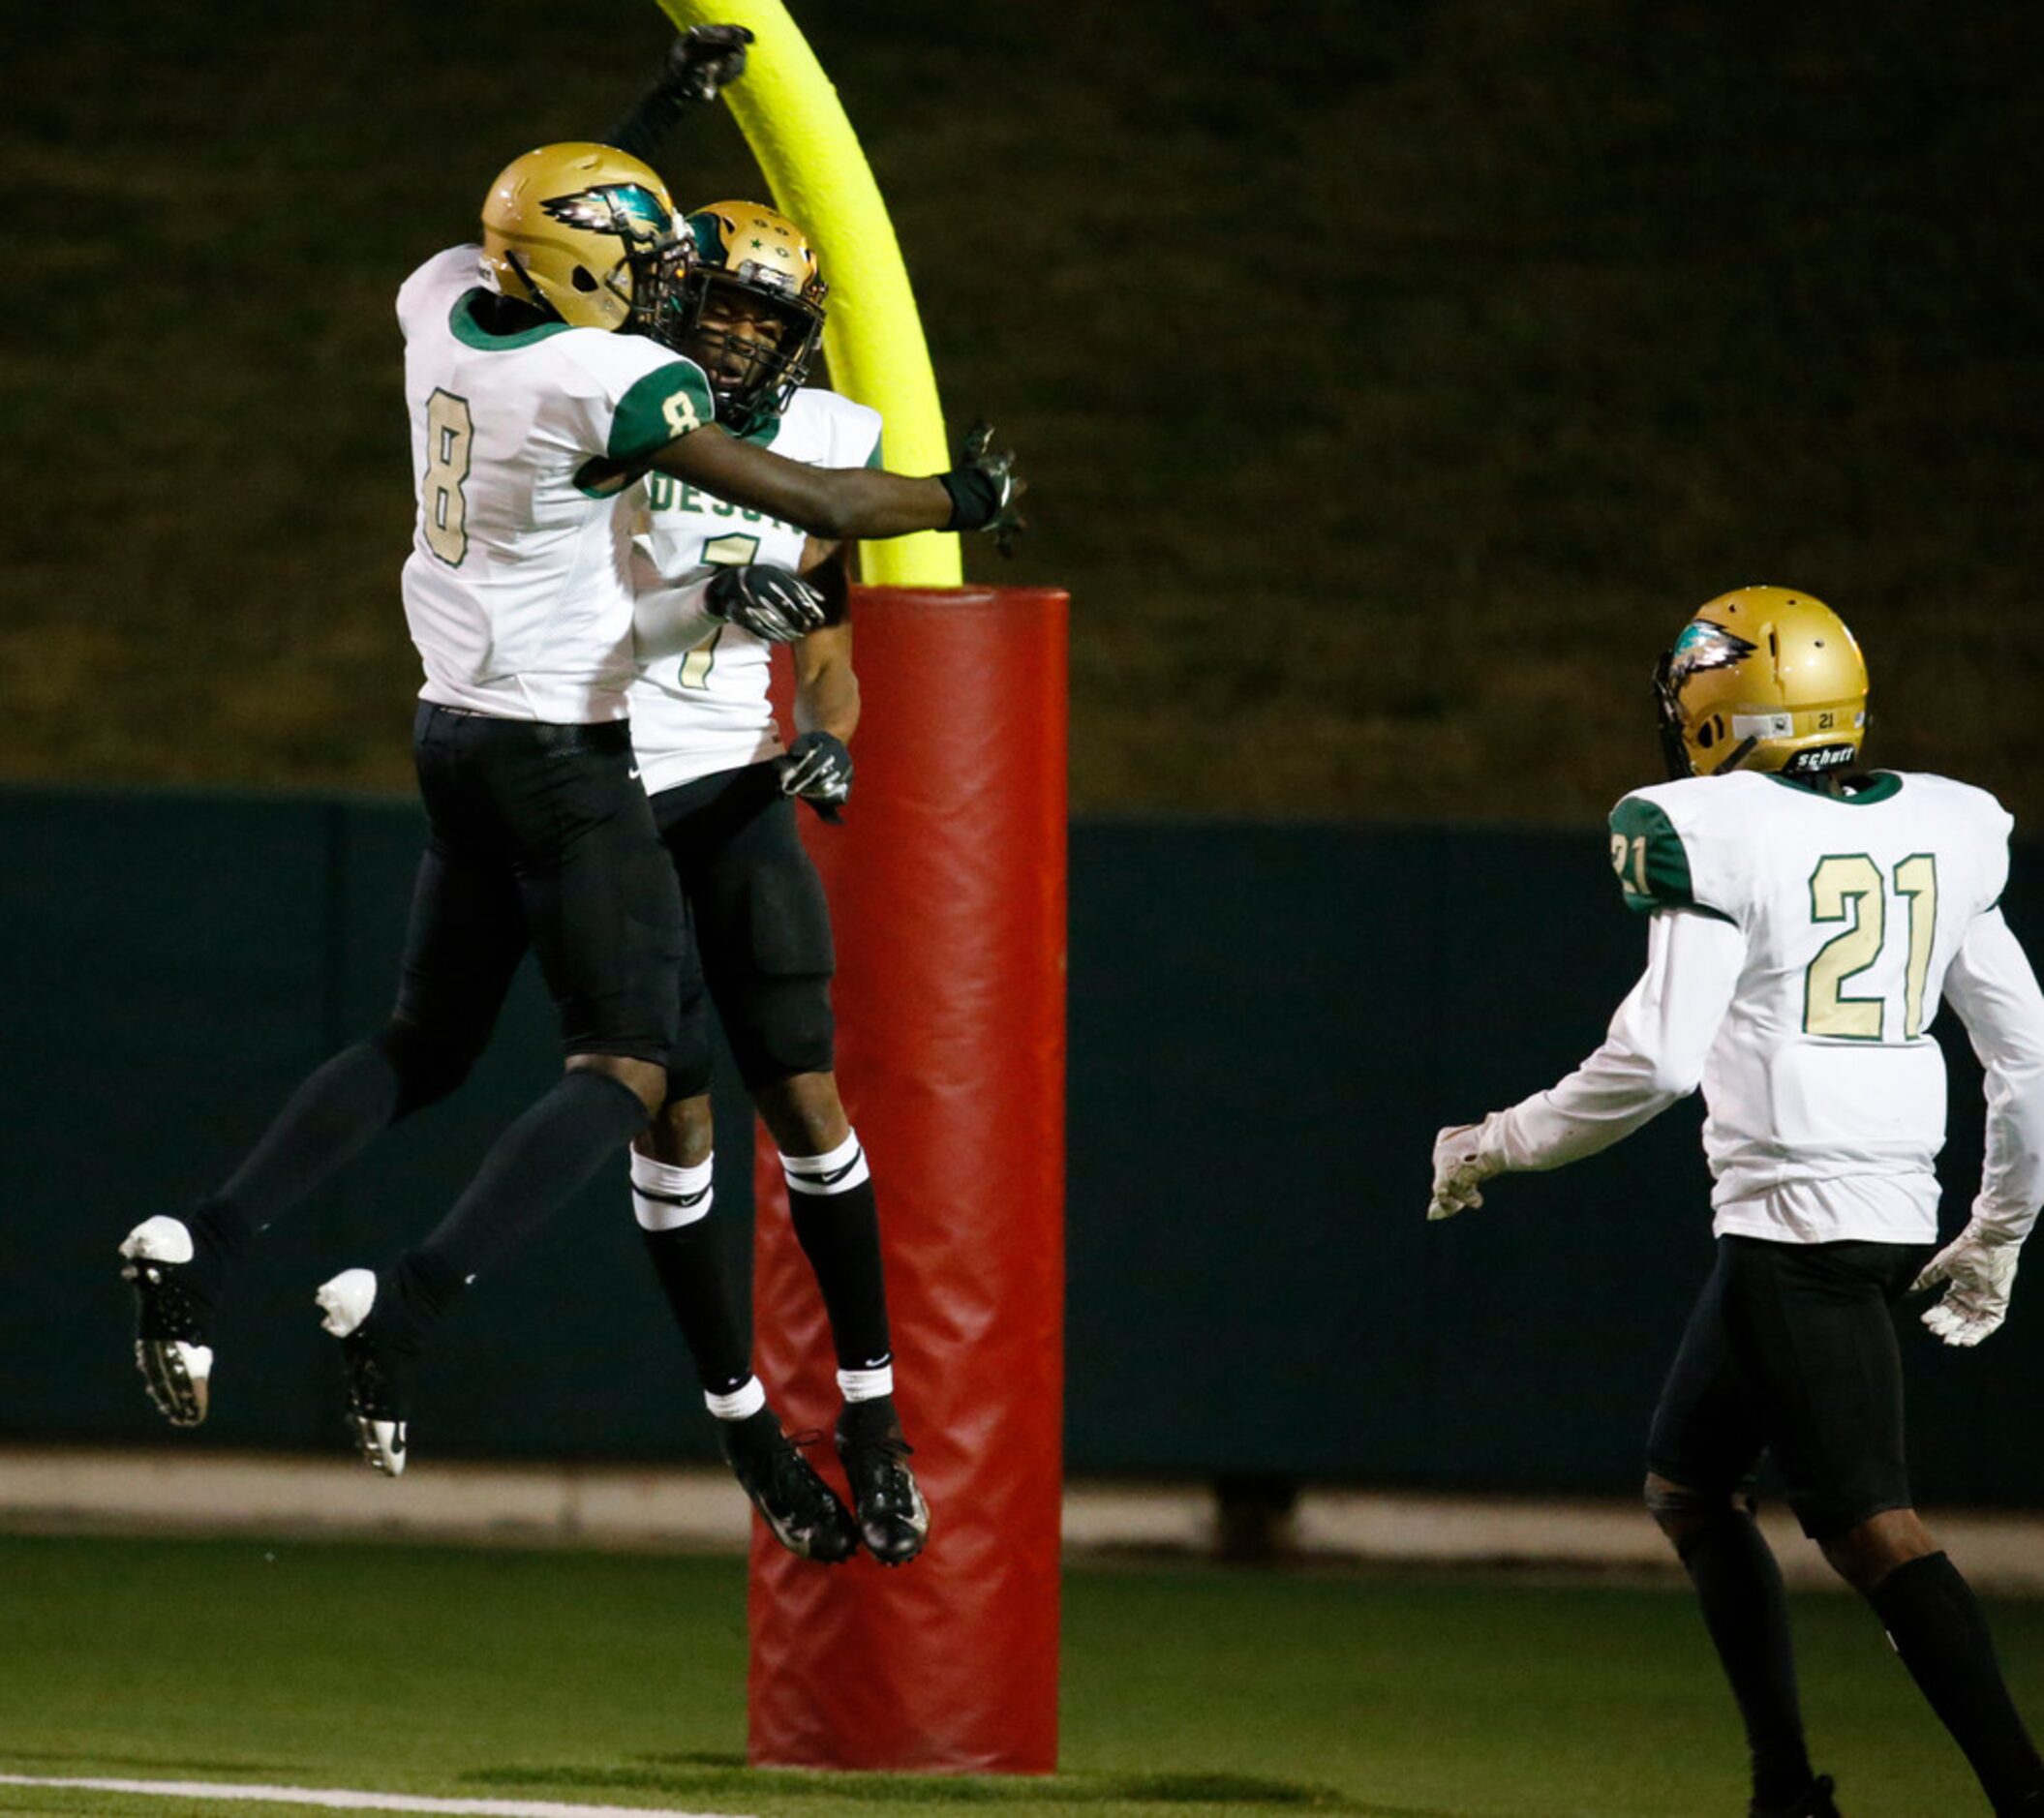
(542, 382)
(1804, 926)
(723, 791)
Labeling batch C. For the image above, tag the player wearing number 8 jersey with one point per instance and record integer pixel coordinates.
(543, 384)
(1804, 926)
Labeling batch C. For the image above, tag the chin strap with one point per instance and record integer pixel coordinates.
(1739, 754)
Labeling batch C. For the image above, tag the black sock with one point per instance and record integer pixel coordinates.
(1936, 1623)
(838, 1224)
(529, 1172)
(689, 1261)
(326, 1122)
(1739, 1585)
(756, 1431)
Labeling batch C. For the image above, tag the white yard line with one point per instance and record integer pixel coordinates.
(340, 1799)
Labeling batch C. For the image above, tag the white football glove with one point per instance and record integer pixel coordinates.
(1463, 1161)
(1979, 1267)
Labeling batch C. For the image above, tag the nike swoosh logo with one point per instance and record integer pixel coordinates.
(831, 1177)
(633, 774)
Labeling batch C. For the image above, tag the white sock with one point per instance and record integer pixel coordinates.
(867, 1386)
(665, 1196)
(745, 1400)
(842, 1170)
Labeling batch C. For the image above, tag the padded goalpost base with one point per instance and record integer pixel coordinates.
(947, 887)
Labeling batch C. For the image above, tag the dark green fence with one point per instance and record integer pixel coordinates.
(1267, 1024)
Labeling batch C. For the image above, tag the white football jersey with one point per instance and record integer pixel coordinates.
(700, 699)
(1823, 1070)
(518, 589)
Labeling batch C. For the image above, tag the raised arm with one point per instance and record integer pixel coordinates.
(1652, 1055)
(698, 65)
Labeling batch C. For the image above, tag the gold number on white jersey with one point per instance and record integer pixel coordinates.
(678, 408)
(1850, 887)
(443, 507)
(735, 551)
(1916, 878)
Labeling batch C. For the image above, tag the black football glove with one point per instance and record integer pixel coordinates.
(983, 487)
(703, 60)
(699, 63)
(818, 769)
(770, 602)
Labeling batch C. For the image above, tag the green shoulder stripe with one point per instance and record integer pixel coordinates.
(668, 402)
(873, 460)
(1647, 854)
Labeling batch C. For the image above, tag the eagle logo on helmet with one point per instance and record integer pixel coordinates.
(625, 209)
(1705, 646)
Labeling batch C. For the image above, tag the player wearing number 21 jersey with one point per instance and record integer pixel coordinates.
(1804, 927)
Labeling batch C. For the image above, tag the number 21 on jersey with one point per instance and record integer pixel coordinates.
(1849, 888)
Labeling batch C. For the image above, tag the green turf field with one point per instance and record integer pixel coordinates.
(619, 1678)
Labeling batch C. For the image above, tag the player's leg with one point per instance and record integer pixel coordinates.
(835, 1216)
(673, 1199)
(1704, 1443)
(601, 909)
(1836, 1424)
(764, 928)
(465, 938)
(673, 1161)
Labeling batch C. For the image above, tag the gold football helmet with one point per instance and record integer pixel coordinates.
(587, 233)
(751, 310)
(1762, 678)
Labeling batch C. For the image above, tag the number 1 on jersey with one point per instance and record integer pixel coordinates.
(1851, 885)
(735, 551)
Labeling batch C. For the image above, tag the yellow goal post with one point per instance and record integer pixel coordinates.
(790, 114)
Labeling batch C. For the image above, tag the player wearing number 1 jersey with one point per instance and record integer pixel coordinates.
(723, 791)
(542, 382)
(1804, 926)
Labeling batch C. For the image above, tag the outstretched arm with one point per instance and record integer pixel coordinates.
(841, 502)
(1992, 987)
(1652, 1055)
(699, 63)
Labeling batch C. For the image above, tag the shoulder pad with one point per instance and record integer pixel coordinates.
(851, 430)
(1647, 853)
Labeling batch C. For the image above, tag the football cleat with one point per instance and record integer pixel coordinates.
(1815, 1802)
(175, 1293)
(800, 1509)
(893, 1519)
(379, 1369)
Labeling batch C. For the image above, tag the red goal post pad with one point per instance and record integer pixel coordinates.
(947, 889)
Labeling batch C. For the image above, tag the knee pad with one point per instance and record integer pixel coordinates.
(428, 1065)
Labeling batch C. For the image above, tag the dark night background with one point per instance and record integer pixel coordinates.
(1394, 377)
